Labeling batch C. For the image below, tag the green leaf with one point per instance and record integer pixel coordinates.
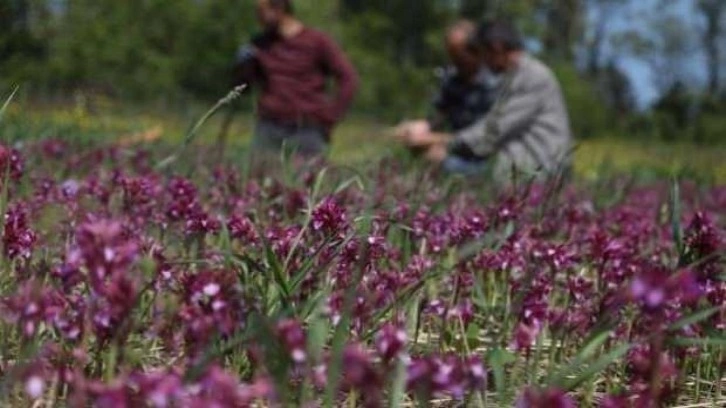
(597, 366)
(698, 342)
(592, 345)
(498, 359)
(225, 245)
(275, 274)
(211, 352)
(472, 336)
(277, 362)
(398, 385)
(471, 249)
(307, 266)
(351, 181)
(694, 318)
(318, 330)
(342, 330)
(675, 215)
(310, 306)
(318, 186)
(7, 102)
(192, 132)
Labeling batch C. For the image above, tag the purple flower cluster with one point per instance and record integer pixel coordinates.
(19, 239)
(136, 288)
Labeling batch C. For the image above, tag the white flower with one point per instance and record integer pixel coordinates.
(34, 387)
(211, 289)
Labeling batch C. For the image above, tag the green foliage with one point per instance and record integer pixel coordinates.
(133, 48)
(589, 116)
(184, 49)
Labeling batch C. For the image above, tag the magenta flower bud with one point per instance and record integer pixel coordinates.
(329, 217)
(293, 338)
(11, 161)
(525, 336)
(18, 238)
(53, 148)
(31, 305)
(241, 228)
(390, 342)
(476, 371)
(200, 223)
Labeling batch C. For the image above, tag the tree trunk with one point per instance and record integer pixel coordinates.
(564, 26)
(713, 11)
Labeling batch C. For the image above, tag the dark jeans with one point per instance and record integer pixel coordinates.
(455, 164)
(306, 140)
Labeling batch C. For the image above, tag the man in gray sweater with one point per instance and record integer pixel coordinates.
(527, 132)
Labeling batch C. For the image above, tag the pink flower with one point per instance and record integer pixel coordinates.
(18, 238)
(329, 217)
(390, 342)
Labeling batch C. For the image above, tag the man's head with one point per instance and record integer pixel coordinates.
(458, 37)
(498, 42)
(271, 12)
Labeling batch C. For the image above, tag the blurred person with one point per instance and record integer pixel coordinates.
(467, 89)
(527, 131)
(290, 64)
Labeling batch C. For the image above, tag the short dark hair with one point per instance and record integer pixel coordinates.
(284, 5)
(497, 32)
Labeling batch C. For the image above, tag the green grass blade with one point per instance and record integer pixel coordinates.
(698, 342)
(7, 102)
(498, 359)
(694, 318)
(675, 216)
(335, 367)
(192, 132)
(597, 366)
(588, 351)
(398, 385)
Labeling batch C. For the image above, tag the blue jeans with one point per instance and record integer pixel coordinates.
(305, 140)
(457, 165)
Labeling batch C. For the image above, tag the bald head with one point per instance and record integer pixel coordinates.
(460, 33)
(458, 38)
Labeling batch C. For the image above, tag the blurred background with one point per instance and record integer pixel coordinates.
(651, 70)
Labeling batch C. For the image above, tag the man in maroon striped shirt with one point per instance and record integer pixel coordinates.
(290, 64)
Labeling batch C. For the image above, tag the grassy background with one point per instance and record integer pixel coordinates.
(357, 140)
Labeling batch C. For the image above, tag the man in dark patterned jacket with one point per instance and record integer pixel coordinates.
(467, 90)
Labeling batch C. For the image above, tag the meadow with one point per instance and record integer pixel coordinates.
(368, 280)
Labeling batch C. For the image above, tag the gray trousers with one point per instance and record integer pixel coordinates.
(305, 140)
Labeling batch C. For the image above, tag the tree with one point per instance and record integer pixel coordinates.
(403, 24)
(714, 14)
(616, 88)
(597, 31)
(564, 23)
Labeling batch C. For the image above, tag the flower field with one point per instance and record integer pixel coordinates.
(208, 285)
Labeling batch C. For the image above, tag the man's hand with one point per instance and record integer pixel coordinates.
(413, 133)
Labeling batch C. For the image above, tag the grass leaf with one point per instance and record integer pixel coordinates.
(592, 345)
(597, 366)
(7, 102)
(398, 385)
(694, 318)
(698, 341)
(675, 216)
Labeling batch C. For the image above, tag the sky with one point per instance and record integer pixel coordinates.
(641, 73)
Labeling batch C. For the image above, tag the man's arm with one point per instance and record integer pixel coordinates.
(246, 68)
(428, 139)
(515, 111)
(346, 77)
